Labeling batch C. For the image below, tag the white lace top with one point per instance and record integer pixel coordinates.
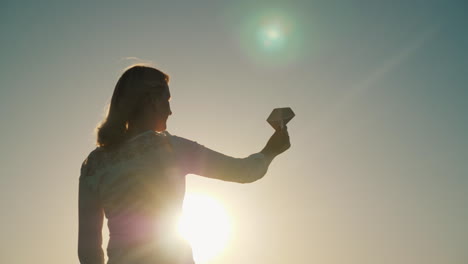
(140, 186)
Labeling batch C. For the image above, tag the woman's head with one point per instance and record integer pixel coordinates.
(140, 95)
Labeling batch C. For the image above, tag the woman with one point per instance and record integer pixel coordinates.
(136, 175)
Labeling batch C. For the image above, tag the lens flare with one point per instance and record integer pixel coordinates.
(271, 38)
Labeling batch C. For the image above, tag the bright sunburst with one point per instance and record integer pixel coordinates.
(206, 225)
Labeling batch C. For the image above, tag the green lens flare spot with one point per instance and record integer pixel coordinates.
(271, 38)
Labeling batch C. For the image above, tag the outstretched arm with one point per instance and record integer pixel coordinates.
(209, 163)
(91, 217)
(197, 159)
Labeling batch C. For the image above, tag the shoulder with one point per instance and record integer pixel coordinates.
(178, 139)
(153, 136)
(90, 161)
(181, 143)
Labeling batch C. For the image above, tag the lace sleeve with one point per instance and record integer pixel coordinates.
(90, 220)
(197, 159)
(88, 173)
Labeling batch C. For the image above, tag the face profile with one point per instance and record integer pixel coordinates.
(162, 109)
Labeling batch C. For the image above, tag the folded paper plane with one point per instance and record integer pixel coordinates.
(279, 117)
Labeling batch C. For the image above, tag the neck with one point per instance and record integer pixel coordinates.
(138, 127)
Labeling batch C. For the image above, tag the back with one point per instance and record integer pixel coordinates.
(141, 190)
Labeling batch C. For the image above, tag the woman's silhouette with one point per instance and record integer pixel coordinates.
(136, 175)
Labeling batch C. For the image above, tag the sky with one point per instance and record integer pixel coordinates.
(377, 171)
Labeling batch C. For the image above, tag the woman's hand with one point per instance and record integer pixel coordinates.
(278, 143)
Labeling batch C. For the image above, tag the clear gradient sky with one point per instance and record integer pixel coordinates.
(378, 168)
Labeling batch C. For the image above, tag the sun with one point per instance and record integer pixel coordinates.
(206, 225)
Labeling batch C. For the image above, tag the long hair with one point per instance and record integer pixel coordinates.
(135, 84)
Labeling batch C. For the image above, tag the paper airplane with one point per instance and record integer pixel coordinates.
(279, 117)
